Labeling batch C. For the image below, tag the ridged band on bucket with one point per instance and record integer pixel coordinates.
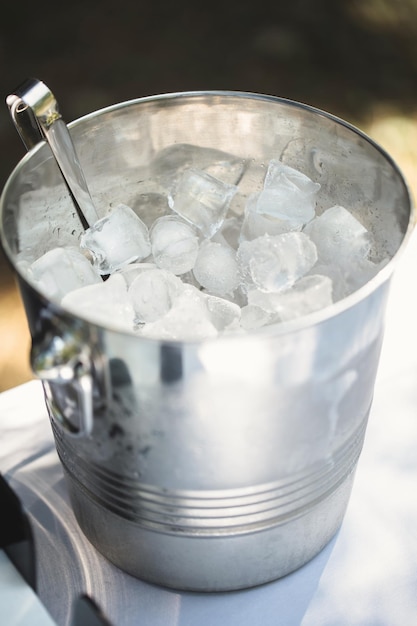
(210, 512)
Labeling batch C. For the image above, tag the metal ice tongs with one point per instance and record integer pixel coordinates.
(36, 115)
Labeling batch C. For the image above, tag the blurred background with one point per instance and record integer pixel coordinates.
(354, 58)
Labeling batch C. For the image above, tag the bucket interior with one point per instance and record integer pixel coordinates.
(126, 151)
(129, 151)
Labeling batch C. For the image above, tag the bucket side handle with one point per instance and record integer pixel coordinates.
(58, 359)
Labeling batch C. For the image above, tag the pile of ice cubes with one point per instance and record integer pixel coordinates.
(205, 267)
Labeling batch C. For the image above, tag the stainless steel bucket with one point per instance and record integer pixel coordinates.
(218, 464)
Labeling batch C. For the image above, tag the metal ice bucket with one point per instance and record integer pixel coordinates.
(225, 463)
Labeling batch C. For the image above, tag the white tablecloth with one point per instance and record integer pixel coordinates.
(366, 576)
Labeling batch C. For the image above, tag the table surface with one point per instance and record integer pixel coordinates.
(366, 576)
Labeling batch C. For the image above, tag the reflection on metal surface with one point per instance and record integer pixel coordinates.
(69, 566)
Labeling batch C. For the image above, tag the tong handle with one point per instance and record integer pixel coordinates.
(33, 109)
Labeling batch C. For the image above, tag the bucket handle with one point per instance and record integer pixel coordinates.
(60, 360)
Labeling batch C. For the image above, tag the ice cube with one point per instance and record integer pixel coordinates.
(362, 271)
(339, 236)
(170, 163)
(131, 271)
(253, 317)
(224, 315)
(347, 279)
(288, 194)
(216, 268)
(294, 214)
(105, 303)
(152, 294)
(310, 293)
(341, 288)
(202, 200)
(116, 240)
(286, 202)
(188, 319)
(226, 167)
(61, 270)
(255, 224)
(229, 233)
(274, 263)
(174, 244)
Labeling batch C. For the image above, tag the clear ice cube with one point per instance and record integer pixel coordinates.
(131, 271)
(216, 268)
(174, 244)
(341, 288)
(116, 240)
(255, 224)
(290, 212)
(105, 303)
(227, 168)
(274, 263)
(307, 295)
(292, 192)
(286, 202)
(229, 233)
(202, 200)
(152, 293)
(169, 164)
(339, 236)
(224, 315)
(61, 270)
(360, 272)
(188, 319)
(253, 317)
